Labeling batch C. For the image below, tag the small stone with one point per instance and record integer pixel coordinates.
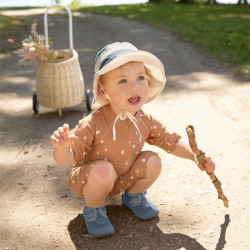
(52, 178)
(171, 176)
(199, 191)
(167, 198)
(209, 231)
(151, 229)
(199, 203)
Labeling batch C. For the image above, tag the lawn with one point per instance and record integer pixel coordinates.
(223, 31)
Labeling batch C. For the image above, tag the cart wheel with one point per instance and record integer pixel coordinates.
(89, 99)
(35, 103)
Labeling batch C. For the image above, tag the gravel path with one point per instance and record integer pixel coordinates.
(37, 209)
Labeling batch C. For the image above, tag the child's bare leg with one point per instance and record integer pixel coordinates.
(153, 170)
(134, 198)
(100, 182)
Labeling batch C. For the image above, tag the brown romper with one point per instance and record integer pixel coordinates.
(94, 141)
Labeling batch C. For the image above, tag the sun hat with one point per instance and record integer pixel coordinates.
(117, 54)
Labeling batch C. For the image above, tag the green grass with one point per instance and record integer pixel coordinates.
(9, 27)
(223, 31)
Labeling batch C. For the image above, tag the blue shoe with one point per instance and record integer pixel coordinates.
(138, 203)
(97, 221)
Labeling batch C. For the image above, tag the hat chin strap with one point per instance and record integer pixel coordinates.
(104, 91)
(123, 115)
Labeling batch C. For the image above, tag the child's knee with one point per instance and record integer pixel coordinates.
(154, 164)
(102, 172)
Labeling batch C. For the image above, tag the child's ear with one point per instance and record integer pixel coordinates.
(101, 92)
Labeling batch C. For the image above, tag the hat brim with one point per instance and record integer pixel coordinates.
(154, 70)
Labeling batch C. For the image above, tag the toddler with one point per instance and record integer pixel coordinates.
(105, 150)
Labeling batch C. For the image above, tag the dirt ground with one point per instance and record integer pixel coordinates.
(39, 211)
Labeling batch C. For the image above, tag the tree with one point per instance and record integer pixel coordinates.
(186, 1)
(156, 1)
(244, 2)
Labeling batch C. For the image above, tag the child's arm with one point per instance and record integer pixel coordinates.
(184, 151)
(61, 139)
(172, 143)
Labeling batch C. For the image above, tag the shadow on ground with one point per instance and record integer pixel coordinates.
(130, 230)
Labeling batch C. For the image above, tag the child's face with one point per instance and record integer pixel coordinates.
(127, 87)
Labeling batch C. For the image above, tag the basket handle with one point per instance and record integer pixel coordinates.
(70, 25)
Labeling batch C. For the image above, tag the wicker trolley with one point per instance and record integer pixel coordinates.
(61, 84)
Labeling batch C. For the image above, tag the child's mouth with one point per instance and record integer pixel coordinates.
(134, 100)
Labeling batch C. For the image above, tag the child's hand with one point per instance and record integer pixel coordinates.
(61, 139)
(209, 165)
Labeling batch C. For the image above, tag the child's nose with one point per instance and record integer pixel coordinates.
(134, 86)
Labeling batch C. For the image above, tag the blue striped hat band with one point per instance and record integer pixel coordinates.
(110, 52)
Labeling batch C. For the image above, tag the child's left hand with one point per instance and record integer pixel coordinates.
(209, 166)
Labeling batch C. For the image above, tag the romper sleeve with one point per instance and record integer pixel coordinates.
(160, 137)
(83, 141)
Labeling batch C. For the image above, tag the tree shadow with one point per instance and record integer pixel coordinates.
(132, 233)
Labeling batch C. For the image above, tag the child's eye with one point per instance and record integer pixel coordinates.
(141, 78)
(123, 81)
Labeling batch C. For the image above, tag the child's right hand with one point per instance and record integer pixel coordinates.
(61, 139)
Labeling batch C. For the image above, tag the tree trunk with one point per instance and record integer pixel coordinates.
(186, 1)
(214, 2)
(240, 1)
(156, 1)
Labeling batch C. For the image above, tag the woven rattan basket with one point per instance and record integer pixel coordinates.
(60, 85)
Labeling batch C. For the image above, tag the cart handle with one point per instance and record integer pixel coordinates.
(70, 25)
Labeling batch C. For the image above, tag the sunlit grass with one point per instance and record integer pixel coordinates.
(223, 31)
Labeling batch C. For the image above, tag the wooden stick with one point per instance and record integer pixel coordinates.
(200, 156)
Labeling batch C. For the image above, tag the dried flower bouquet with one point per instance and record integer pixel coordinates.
(34, 48)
